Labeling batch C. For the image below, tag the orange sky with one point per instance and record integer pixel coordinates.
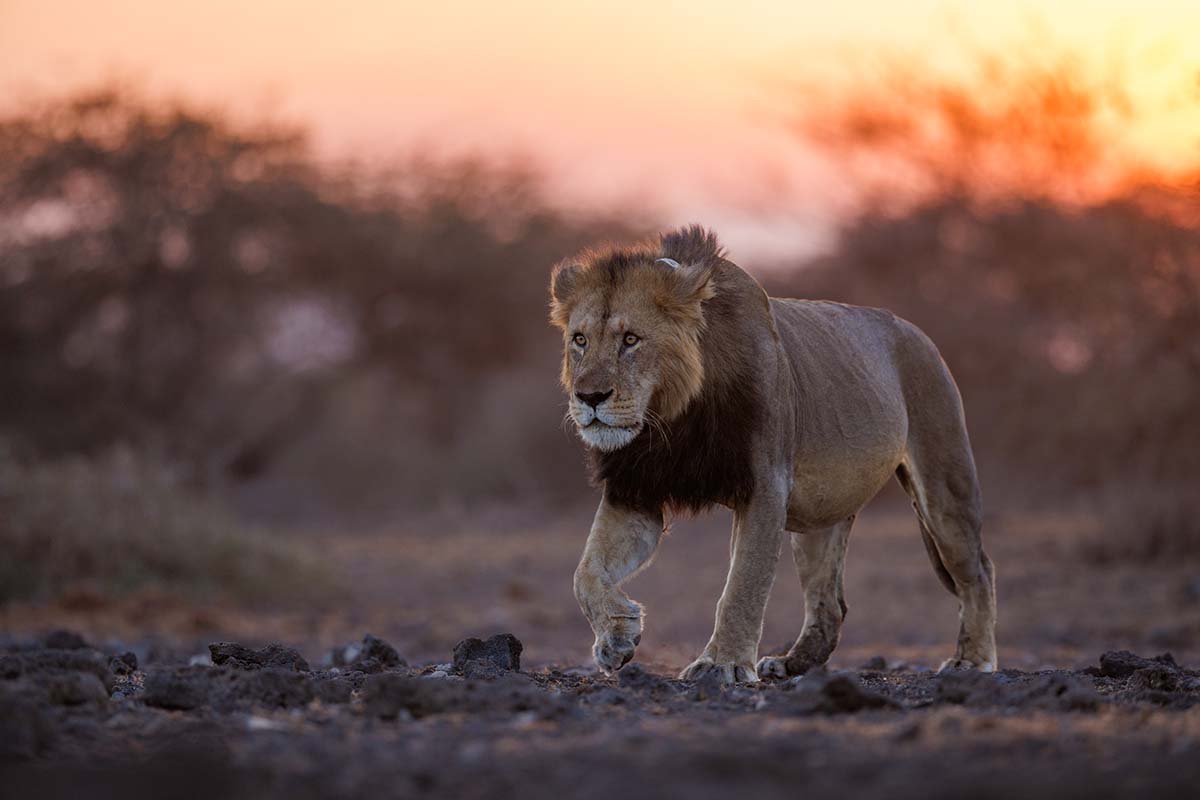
(670, 102)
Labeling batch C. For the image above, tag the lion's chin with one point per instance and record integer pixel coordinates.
(608, 437)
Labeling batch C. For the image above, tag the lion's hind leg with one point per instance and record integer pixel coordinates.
(946, 498)
(820, 557)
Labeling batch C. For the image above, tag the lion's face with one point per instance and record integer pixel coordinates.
(631, 344)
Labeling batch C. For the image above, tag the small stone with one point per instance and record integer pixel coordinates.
(76, 689)
(370, 656)
(822, 692)
(500, 653)
(273, 655)
(1122, 663)
(875, 664)
(181, 689)
(381, 651)
(1157, 678)
(123, 664)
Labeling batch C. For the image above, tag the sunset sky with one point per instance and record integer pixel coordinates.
(672, 103)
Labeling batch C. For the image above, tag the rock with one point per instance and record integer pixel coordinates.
(875, 664)
(178, 689)
(64, 640)
(38, 665)
(76, 689)
(273, 655)
(371, 656)
(1122, 663)
(1054, 691)
(501, 653)
(822, 692)
(376, 648)
(1158, 678)
(123, 664)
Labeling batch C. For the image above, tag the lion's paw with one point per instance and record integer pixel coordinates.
(728, 672)
(614, 650)
(956, 663)
(772, 667)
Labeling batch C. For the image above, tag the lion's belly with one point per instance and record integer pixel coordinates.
(852, 417)
(833, 482)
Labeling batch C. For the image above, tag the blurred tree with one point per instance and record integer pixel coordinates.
(1063, 287)
(174, 281)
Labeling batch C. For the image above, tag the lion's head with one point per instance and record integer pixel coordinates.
(632, 320)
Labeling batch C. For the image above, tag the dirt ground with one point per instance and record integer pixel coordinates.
(137, 702)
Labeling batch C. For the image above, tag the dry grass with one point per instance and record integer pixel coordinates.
(1151, 524)
(120, 524)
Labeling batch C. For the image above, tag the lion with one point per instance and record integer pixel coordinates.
(692, 388)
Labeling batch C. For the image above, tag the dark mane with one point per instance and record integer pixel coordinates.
(705, 457)
(692, 245)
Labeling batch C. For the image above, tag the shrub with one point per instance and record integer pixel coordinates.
(121, 523)
(1147, 523)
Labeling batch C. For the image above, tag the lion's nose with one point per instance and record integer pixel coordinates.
(593, 399)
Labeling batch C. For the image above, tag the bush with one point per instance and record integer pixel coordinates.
(1147, 524)
(120, 523)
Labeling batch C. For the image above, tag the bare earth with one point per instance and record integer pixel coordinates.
(1069, 716)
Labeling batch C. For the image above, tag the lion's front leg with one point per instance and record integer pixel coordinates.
(733, 648)
(621, 543)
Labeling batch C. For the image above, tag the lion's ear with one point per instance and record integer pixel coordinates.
(687, 287)
(562, 283)
(694, 283)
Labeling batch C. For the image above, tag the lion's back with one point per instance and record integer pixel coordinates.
(830, 342)
(866, 364)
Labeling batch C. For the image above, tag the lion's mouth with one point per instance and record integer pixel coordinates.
(603, 436)
(597, 423)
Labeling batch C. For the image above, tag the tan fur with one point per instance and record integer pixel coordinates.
(794, 413)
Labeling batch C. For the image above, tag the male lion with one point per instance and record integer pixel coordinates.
(692, 387)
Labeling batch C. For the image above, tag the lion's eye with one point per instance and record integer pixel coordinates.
(631, 339)
(580, 340)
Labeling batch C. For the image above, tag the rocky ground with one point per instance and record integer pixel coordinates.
(137, 702)
(76, 720)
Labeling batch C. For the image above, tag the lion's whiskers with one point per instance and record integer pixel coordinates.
(656, 422)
